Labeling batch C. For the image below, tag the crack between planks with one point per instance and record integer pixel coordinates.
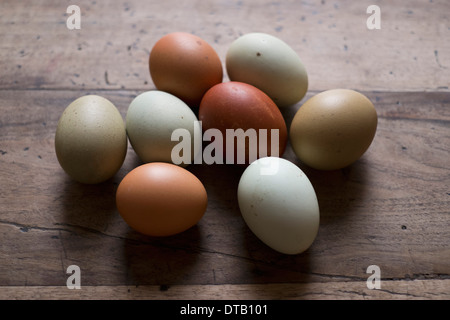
(396, 118)
(343, 278)
(26, 228)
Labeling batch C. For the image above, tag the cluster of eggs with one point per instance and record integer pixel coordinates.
(161, 197)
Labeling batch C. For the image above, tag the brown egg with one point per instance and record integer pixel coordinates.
(333, 129)
(233, 106)
(185, 65)
(161, 199)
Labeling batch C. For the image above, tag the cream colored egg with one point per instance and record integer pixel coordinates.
(152, 119)
(269, 64)
(90, 139)
(279, 204)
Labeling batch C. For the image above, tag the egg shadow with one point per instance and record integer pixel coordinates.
(89, 206)
(221, 183)
(93, 205)
(163, 261)
(339, 192)
(271, 266)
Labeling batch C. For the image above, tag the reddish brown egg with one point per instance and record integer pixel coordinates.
(161, 199)
(185, 65)
(247, 119)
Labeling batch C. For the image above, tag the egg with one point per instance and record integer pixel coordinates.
(333, 129)
(279, 204)
(151, 119)
(161, 199)
(90, 139)
(269, 64)
(185, 65)
(249, 122)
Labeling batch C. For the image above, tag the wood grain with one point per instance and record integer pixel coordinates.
(110, 51)
(391, 208)
(348, 290)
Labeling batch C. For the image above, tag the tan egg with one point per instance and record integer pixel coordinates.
(161, 199)
(333, 129)
(90, 140)
(185, 65)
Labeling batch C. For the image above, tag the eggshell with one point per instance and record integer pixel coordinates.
(185, 65)
(236, 105)
(161, 199)
(90, 140)
(279, 205)
(333, 129)
(151, 119)
(269, 64)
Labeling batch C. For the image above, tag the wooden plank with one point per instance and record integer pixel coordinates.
(391, 208)
(409, 53)
(349, 290)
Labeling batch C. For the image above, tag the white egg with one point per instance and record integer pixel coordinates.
(279, 204)
(152, 118)
(269, 64)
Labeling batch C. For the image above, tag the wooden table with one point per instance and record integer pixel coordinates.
(390, 209)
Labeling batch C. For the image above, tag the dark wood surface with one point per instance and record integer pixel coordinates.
(391, 208)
